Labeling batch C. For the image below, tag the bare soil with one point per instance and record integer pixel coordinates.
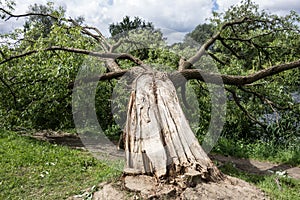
(143, 187)
(140, 187)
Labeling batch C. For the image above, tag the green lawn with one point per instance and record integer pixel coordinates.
(32, 169)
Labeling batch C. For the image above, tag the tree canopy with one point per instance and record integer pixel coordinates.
(256, 52)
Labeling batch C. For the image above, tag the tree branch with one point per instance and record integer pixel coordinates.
(102, 77)
(84, 29)
(98, 36)
(180, 77)
(264, 99)
(191, 61)
(189, 74)
(10, 15)
(80, 51)
(10, 91)
(251, 117)
(213, 56)
(230, 48)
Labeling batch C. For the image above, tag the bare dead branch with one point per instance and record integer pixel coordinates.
(127, 41)
(98, 37)
(96, 30)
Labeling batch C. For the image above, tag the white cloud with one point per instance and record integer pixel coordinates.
(225, 4)
(280, 7)
(175, 14)
(178, 15)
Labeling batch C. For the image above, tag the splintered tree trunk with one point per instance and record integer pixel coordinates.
(158, 138)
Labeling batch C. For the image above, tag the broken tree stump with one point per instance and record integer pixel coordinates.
(158, 139)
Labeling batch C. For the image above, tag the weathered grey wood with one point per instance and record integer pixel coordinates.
(158, 138)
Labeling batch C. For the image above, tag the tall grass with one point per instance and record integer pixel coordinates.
(265, 151)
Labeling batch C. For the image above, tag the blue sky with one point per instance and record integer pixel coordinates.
(174, 17)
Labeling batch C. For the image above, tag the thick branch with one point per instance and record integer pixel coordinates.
(210, 42)
(102, 77)
(74, 50)
(231, 79)
(180, 77)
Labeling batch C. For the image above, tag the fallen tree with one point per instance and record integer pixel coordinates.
(157, 137)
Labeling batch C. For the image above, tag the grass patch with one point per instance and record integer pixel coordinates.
(264, 151)
(32, 169)
(276, 187)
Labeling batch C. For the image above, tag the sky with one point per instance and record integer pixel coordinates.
(174, 17)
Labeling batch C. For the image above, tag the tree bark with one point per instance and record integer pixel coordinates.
(158, 138)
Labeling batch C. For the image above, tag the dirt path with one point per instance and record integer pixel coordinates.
(247, 165)
(258, 167)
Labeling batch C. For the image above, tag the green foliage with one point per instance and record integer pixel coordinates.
(103, 104)
(43, 23)
(263, 39)
(270, 151)
(260, 41)
(200, 34)
(32, 169)
(34, 90)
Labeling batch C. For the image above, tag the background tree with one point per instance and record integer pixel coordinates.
(246, 46)
(200, 34)
(127, 25)
(42, 23)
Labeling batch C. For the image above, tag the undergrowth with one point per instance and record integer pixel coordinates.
(264, 151)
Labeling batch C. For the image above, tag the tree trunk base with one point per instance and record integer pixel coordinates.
(158, 139)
